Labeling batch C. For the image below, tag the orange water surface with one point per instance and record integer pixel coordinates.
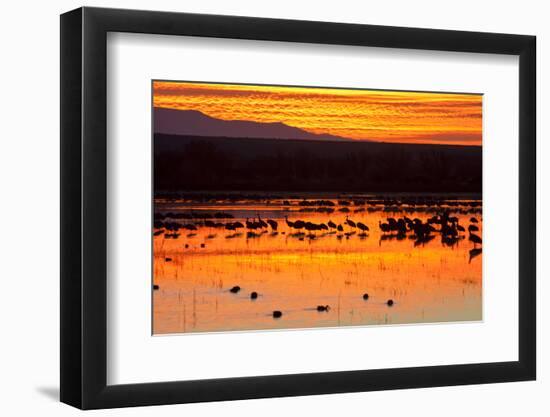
(295, 272)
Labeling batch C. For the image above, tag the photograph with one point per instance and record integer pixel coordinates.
(295, 207)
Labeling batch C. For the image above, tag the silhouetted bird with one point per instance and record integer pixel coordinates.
(298, 224)
(449, 240)
(385, 227)
(156, 287)
(289, 223)
(261, 222)
(473, 228)
(277, 314)
(363, 227)
(389, 302)
(235, 289)
(475, 239)
(253, 295)
(331, 224)
(473, 253)
(473, 220)
(274, 225)
(311, 227)
(233, 226)
(252, 225)
(171, 235)
(365, 296)
(350, 223)
(447, 230)
(323, 308)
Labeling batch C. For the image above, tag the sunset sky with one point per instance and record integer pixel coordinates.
(386, 116)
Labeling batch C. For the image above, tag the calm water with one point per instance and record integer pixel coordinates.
(294, 272)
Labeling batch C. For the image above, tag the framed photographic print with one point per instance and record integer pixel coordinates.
(257, 208)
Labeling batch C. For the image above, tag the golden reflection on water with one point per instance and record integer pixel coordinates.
(294, 274)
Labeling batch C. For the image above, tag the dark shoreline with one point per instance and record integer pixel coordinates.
(232, 164)
(210, 164)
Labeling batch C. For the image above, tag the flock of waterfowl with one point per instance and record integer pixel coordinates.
(443, 222)
(278, 313)
(320, 308)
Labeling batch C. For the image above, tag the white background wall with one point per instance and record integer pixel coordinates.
(29, 209)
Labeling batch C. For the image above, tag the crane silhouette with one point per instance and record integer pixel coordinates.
(289, 223)
(473, 253)
(252, 225)
(350, 222)
(261, 222)
(475, 239)
(298, 224)
(385, 227)
(274, 225)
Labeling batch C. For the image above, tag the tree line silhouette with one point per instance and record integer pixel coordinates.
(214, 163)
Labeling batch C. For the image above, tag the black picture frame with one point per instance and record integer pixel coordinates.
(84, 207)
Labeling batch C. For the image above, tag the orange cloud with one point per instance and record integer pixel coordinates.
(386, 116)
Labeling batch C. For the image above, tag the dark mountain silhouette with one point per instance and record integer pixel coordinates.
(195, 123)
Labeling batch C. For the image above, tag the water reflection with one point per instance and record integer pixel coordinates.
(312, 262)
